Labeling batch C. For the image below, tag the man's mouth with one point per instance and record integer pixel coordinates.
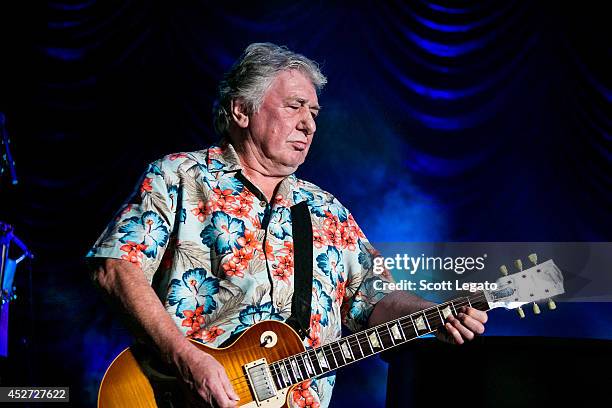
(299, 145)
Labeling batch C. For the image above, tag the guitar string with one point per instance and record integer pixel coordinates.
(352, 341)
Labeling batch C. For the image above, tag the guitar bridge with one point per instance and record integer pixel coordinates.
(260, 380)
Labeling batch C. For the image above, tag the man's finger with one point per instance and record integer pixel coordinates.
(471, 323)
(464, 331)
(227, 387)
(220, 397)
(477, 314)
(454, 333)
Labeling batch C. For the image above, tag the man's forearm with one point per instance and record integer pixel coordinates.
(126, 283)
(395, 305)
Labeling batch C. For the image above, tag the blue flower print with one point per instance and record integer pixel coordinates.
(154, 169)
(254, 314)
(149, 229)
(365, 258)
(331, 264)
(223, 233)
(302, 195)
(320, 207)
(194, 290)
(280, 223)
(321, 302)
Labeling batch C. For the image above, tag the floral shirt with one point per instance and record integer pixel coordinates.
(220, 257)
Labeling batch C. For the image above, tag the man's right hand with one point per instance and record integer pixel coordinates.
(205, 377)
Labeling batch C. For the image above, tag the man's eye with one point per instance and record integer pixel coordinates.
(294, 106)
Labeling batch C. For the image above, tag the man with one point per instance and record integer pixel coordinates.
(212, 231)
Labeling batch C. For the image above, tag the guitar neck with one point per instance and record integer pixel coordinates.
(347, 350)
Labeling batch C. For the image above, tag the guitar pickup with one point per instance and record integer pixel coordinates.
(260, 380)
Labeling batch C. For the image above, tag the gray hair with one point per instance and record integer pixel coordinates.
(251, 76)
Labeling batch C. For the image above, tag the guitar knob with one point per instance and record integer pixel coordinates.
(536, 308)
(533, 258)
(519, 264)
(551, 304)
(521, 312)
(503, 270)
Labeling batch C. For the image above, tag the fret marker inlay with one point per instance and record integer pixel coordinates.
(321, 358)
(420, 323)
(346, 351)
(396, 332)
(374, 340)
(446, 312)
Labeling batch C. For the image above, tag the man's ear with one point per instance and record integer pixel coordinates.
(239, 113)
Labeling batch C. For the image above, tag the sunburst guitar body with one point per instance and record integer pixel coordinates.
(135, 380)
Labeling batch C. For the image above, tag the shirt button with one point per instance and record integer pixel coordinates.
(279, 304)
(262, 204)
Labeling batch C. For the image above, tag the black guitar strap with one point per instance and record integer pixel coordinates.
(302, 278)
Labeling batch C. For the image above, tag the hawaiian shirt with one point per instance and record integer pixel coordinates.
(220, 256)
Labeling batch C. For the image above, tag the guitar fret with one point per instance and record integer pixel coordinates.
(416, 331)
(294, 366)
(315, 362)
(453, 305)
(440, 314)
(277, 376)
(335, 362)
(303, 370)
(289, 368)
(360, 351)
(338, 353)
(322, 358)
(369, 344)
(385, 337)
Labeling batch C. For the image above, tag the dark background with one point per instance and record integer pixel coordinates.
(442, 121)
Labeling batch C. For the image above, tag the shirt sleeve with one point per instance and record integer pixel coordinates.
(140, 231)
(364, 287)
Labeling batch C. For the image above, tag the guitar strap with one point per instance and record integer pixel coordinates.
(302, 278)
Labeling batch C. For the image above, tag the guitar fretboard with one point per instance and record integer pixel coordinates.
(347, 350)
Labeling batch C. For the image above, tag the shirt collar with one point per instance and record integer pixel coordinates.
(222, 157)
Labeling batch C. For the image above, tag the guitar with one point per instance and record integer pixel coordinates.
(269, 359)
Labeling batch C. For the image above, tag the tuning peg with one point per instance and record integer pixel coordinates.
(521, 312)
(503, 270)
(533, 258)
(536, 308)
(519, 264)
(551, 304)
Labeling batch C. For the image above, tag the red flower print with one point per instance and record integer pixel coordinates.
(242, 256)
(194, 320)
(249, 241)
(340, 291)
(202, 211)
(268, 253)
(318, 238)
(175, 156)
(232, 268)
(211, 334)
(146, 185)
(303, 397)
(283, 271)
(134, 252)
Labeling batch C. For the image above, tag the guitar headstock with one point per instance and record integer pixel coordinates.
(539, 282)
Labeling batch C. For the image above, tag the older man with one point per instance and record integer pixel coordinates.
(213, 233)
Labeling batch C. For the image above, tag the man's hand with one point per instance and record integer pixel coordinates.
(206, 378)
(468, 323)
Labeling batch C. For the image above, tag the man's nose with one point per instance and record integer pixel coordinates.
(307, 123)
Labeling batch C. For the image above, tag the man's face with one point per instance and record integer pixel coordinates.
(284, 126)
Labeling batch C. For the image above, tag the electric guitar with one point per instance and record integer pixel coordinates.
(268, 359)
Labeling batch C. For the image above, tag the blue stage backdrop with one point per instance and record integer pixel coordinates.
(442, 121)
